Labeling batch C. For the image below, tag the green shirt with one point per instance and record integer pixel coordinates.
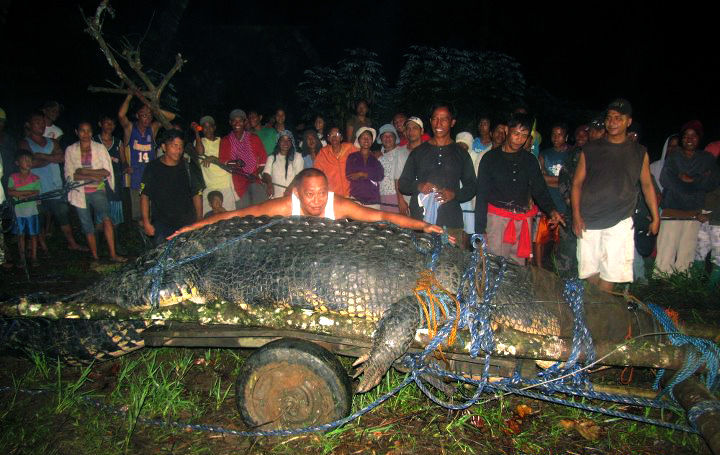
(269, 137)
(31, 182)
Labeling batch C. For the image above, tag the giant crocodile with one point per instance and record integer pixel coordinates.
(358, 271)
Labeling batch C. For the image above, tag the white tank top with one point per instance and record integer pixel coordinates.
(329, 207)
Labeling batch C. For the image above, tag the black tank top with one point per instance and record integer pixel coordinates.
(610, 189)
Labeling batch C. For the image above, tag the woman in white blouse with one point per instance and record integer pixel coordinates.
(89, 162)
(284, 164)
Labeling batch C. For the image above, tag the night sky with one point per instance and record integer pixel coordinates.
(252, 54)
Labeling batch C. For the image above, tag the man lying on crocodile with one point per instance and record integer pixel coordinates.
(310, 197)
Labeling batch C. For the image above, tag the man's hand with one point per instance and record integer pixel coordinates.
(357, 175)
(445, 195)
(655, 226)
(269, 189)
(101, 175)
(435, 229)
(579, 226)
(702, 217)
(149, 229)
(426, 188)
(555, 219)
(208, 160)
(403, 207)
(182, 230)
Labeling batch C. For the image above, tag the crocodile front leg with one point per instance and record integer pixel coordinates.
(393, 336)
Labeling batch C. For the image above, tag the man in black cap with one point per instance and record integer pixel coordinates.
(604, 196)
(597, 129)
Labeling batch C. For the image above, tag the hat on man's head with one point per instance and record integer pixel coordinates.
(238, 113)
(207, 119)
(373, 134)
(597, 123)
(51, 104)
(693, 125)
(622, 106)
(387, 128)
(581, 128)
(3, 116)
(466, 138)
(417, 121)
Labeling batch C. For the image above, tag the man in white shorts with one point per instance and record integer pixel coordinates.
(604, 195)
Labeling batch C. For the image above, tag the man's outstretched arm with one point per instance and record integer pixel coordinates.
(272, 207)
(345, 208)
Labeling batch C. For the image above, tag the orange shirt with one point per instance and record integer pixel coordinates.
(334, 167)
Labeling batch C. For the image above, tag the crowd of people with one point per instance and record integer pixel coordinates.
(593, 201)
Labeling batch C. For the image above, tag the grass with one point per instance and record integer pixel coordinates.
(688, 290)
(196, 385)
(153, 385)
(68, 393)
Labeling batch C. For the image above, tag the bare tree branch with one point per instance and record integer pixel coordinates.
(133, 59)
(179, 62)
(118, 91)
(94, 28)
(150, 94)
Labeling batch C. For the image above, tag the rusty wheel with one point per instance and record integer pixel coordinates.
(292, 383)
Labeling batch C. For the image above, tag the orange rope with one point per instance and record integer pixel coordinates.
(674, 315)
(630, 370)
(429, 285)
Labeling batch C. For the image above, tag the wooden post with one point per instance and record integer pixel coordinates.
(689, 393)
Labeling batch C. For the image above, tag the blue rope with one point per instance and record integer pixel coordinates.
(705, 352)
(582, 340)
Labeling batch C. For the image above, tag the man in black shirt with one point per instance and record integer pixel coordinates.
(436, 168)
(508, 177)
(166, 184)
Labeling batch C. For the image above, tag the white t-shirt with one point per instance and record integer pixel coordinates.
(53, 132)
(393, 163)
(275, 166)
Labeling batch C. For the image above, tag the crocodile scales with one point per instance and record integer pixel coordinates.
(321, 266)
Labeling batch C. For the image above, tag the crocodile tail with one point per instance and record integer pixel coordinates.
(75, 341)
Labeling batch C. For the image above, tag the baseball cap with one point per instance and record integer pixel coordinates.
(208, 119)
(622, 106)
(597, 124)
(237, 113)
(415, 120)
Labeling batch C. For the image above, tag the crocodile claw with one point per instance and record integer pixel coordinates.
(392, 338)
(372, 370)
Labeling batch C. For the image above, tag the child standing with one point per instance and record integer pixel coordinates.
(22, 185)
